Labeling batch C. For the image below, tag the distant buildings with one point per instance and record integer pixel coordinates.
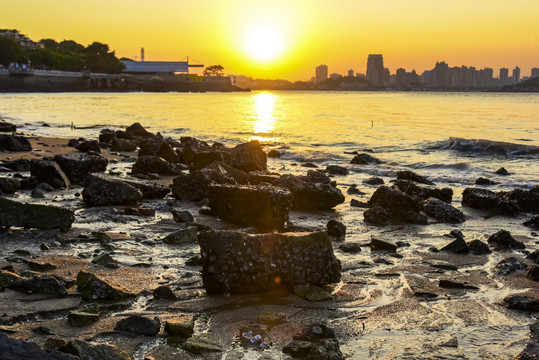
(321, 73)
(23, 40)
(351, 72)
(516, 75)
(375, 69)
(535, 72)
(504, 75)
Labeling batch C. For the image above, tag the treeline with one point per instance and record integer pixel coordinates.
(66, 55)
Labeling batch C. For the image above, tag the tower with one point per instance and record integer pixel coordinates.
(375, 69)
(142, 54)
(321, 73)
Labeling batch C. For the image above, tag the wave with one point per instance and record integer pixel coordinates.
(487, 146)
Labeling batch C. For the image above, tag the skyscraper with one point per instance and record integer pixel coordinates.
(535, 72)
(504, 75)
(375, 69)
(516, 75)
(321, 73)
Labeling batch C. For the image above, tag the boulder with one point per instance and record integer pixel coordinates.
(77, 167)
(337, 170)
(533, 223)
(137, 130)
(457, 246)
(9, 185)
(139, 325)
(183, 236)
(527, 301)
(158, 147)
(313, 192)
(502, 240)
(477, 247)
(264, 207)
(400, 205)
(235, 262)
(377, 215)
(45, 285)
(123, 145)
(484, 181)
(533, 273)
(102, 191)
(424, 192)
(48, 171)
(88, 351)
(442, 211)
(365, 159)
(12, 349)
(488, 200)
(374, 181)
(92, 287)
(226, 170)
(336, 228)
(193, 186)
(154, 164)
(13, 213)
(191, 147)
(412, 176)
(20, 165)
(88, 145)
(379, 244)
(14, 143)
(179, 328)
(526, 200)
(80, 318)
(163, 292)
(7, 127)
(248, 157)
(149, 189)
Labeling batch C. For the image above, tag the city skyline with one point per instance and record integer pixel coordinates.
(283, 39)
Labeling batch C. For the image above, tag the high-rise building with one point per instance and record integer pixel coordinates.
(516, 75)
(351, 72)
(375, 69)
(142, 54)
(321, 73)
(504, 74)
(535, 72)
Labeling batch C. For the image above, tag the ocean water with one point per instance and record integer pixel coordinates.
(453, 137)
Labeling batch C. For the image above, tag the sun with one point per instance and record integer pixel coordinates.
(264, 43)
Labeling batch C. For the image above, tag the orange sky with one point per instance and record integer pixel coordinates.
(287, 39)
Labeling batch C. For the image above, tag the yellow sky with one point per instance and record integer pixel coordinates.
(295, 35)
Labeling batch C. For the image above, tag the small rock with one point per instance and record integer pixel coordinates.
(533, 223)
(300, 349)
(377, 215)
(484, 181)
(202, 343)
(179, 327)
(13, 213)
(379, 244)
(182, 216)
(337, 170)
(360, 204)
(365, 159)
(533, 273)
(92, 287)
(374, 181)
(140, 211)
(510, 265)
(450, 284)
(488, 200)
(442, 211)
(336, 228)
(180, 237)
(412, 176)
(525, 302)
(502, 240)
(477, 247)
(274, 154)
(104, 259)
(502, 171)
(14, 143)
(80, 319)
(351, 248)
(164, 292)
(40, 266)
(139, 325)
(457, 246)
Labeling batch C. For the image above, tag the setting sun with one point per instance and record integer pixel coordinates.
(264, 43)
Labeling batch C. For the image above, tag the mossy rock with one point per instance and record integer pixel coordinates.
(80, 319)
(202, 343)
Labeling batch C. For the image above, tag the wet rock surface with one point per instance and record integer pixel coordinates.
(14, 213)
(102, 191)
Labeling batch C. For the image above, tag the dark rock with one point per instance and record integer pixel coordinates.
(183, 236)
(534, 256)
(400, 205)
(337, 170)
(228, 171)
(457, 246)
(40, 266)
(316, 342)
(274, 154)
(502, 171)
(106, 136)
(530, 352)
(12, 349)
(163, 292)
(80, 319)
(442, 211)
(105, 260)
(179, 328)
(509, 265)
(139, 325)
(88, 351)
(264, 207)
(77, 167)
(45, 285)
(533, 273)
(193, 186)
(192, 146)
(353, 190)
(8, 279)
(309, 165)
(29, 183)
(379, 244)
(336, 228)
(313, 192)
(456, 233)
(424, 192)
(360, 204)
(484, 181)
(90, 145)
(182, 216)
(92, 287)
(351, 248)
(365, 159)
(48, 172)
(240, 263)
(374, 181)
(488, 200)
(526, 200)
(7, 127)
(205, 158)
(158, 147)
(248, 157)
(412, 176)
(140, 211)
(137, 130)
(502, 240)
(9, 185)
(14, 213)
(525, 302)
(154, 164)
(123, 145)
(202, 343)
(300, 349)
(149, 189)
(477, 247)
(533, 223)
(102, 191)
(450, 284)
(14, 143)
(377, 215)
(20, 165)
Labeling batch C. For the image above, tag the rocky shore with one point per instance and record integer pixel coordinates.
(136, 246)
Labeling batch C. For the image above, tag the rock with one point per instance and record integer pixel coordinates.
(312, 292)
(154, 164)
(412, 176)
(193, 186)
(316, 342)
(313, 192)
(77, 167)
(484, 181)
(533, 273)
(336, 228)
(300, 349)
(509, 265)
(374, 181)
(502, 240)
(443, 265)
(337, 170)
(527, 301)
(92, 287)
(365, 159)
(264, 207)
(526, 200)
(88, 351)
(450, 284)
(123, 145)
(191, 147)
(400, 205)
(13, 213)
(379, 244)
(102, 191)
(179, 327)
(353, 190)
(274, 154)
(80, 319)
(533, 223)
(377, 215)
(7, 127)
(424, 192)
(202, 343)
(104, 260)
(12, 349)
(442, 211)
(248, 157)
(182, 216)
(14, 143)
(45, 285)
(457, 246)
(530, 352)
(477, 247)
(488, 200)
(181, 237)
(534, 256)
(29, 183)
(49, 172)
(502, 171)
(360, 204)
(149, 189)
(139, 325)
(158, 147)
(140, 211)
(240, 263)
(205, 158)
(239, 176)
(40, 266)
(163, 292)
(351, 248)
(9, 185)
(11, 280)
(137, 130)
(19, 165)
(88, 145)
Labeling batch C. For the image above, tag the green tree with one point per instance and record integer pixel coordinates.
(214, 70)
(11, 52)
(70, 46)
(49, 44)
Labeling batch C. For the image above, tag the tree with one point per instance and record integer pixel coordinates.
(10, 51)
(214, 70)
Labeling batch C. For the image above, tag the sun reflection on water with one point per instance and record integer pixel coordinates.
(264, 123)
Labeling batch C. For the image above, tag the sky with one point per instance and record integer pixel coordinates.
(287, 39)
